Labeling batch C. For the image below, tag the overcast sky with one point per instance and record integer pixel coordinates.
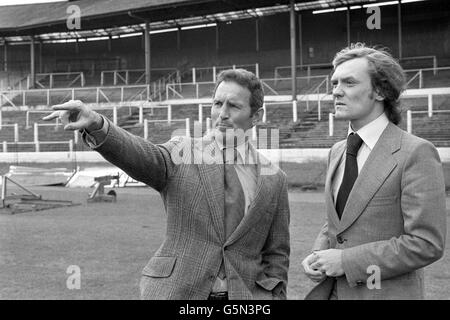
(15, 2)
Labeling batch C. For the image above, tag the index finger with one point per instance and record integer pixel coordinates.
(69, 105)
(53, 115)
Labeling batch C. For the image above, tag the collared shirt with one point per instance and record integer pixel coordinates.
(370, 134)
(245, 169)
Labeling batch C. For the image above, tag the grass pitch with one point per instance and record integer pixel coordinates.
(112, 242)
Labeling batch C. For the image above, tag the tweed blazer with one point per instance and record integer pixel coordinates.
(394, 222)
(190, 181)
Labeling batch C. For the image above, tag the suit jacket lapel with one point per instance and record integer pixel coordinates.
(209, 172)
(256, 209)
(335, 160)
(375, 171)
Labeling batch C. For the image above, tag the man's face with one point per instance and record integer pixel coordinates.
(354, 97)
(231, 107)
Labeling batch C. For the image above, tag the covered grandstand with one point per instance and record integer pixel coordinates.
(150, 65)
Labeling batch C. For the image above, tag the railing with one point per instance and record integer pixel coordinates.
(115, 108)
(277, 82)
(307, 67)
(432, 58)
(37, 144)
(152, 92)
(212, 72)
(267, 86)
(268, 104)
(419, 75)
(124, 75)
(7, 96)
(22, 83)
(79, 76)
(430, 112)
(44, 96)
(15, 127)
(197, 90)
(187, 121)
(27, 117)
(196, 87)
(89, 65)
(160, 86)
(320, 96)
(330, 124)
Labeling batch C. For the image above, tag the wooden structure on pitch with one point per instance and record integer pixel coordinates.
(29, 201)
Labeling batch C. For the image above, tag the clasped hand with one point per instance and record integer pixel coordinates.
(322, 263)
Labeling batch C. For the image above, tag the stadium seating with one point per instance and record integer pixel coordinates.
(307, 132)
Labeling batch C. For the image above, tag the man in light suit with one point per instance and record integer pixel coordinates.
(385, 193)
(227, 233)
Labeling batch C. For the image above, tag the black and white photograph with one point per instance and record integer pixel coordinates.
(219, 150)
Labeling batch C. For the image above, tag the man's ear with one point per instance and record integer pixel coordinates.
(378, 95)
(257, 116)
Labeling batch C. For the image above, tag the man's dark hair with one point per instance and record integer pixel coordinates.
(388, 77)
(246, 79)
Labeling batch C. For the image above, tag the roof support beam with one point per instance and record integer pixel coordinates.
(300, 38)
(348, 26)
(146, 36)
(217, 39)
(257, 34)
(32, 64)
(179, 38)
(399, 16)
(5, 56)
(293, 50)
(41, 63)
(147, 53)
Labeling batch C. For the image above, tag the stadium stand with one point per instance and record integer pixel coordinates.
(111, 72)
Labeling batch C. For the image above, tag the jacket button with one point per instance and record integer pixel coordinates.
(340, 240)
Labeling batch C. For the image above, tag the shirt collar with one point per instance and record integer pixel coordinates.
(242, 150)
(372, 131)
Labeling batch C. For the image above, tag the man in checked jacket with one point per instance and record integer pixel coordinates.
(226, 238)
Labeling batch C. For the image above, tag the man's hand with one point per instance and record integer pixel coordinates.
(329, 262)
(74, 115)
(314, 274)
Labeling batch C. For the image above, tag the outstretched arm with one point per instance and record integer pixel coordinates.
(139, 158)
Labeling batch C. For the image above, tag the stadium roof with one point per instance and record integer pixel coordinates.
(102, 18)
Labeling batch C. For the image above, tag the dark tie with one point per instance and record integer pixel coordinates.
(350, 173)
(234, 194)
(234, 197)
